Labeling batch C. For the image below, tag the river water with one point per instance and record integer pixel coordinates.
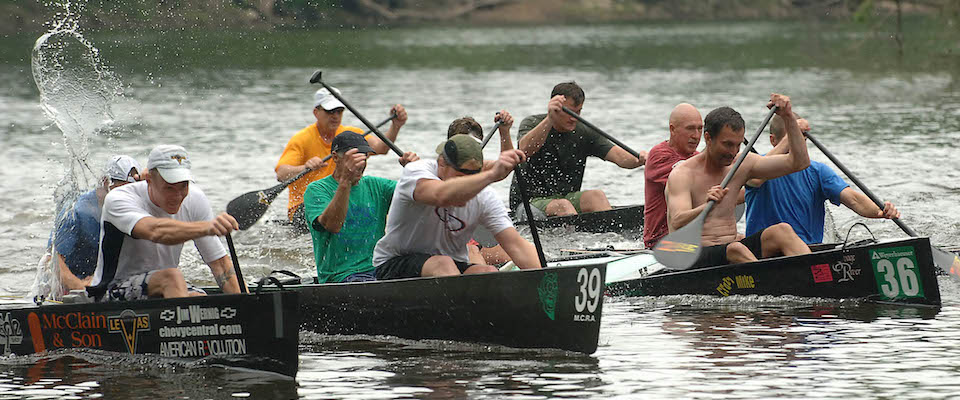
(233, 100)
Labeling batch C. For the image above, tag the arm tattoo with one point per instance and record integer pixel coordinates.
(223, 278)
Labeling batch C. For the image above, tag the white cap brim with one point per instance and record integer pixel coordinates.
(331, 104)
(175, 175)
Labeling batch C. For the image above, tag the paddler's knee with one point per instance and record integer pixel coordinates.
(561, 207)
(439, 266)
(594, 200)
(737, 253)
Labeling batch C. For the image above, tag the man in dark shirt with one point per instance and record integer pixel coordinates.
(558, 146)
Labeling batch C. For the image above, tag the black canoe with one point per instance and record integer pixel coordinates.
(556, 308)
(619, 219)
(893, 271)
(257, 331)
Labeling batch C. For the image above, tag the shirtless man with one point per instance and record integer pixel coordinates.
(696, 181)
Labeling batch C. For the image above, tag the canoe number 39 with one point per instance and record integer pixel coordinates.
(591, 287)
(896, 272)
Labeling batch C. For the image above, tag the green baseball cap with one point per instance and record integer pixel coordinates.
(463, 153)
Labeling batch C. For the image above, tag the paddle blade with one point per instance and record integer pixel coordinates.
(248, 208)
(680, 249)
(946, 261)
(739, 211)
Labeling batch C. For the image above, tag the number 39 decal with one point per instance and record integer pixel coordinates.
(591, 288)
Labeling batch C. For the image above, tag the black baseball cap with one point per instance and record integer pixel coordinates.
(349, 140)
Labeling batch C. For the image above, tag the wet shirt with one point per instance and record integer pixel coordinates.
(303, 146)
(414, 227)
(796, 199)
(660, 161)
(557, 167)
(123, 208)
(349, 251)
(77, 235)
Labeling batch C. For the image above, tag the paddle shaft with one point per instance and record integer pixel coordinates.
(490, 134)
(906, 229)
(382, 123)
(601, 132)
(388, 142)
(236, 265)
(522, 185)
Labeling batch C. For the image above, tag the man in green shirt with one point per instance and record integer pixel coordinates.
(558, 146)
(346, 212)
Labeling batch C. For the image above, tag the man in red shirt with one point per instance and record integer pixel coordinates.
(686, 127)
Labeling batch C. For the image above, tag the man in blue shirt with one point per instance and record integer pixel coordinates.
(76, 238)
(798, 198)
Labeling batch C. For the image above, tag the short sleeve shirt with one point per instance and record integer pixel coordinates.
(557, 167)
(77, 235)
(124, 206)
(349, 251)
(660, 162)
(303, 146)
(796, 199)
(414, 227)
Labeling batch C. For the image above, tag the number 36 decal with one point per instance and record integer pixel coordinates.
(591, 288)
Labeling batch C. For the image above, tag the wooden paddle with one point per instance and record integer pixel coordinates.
(680, 249)
(946, 261)
(316, 79)
(249, 207)
(601, 132)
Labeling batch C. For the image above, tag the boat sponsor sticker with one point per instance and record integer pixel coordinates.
(548, 290)
(203, 348)
(821, 273)
(846, 270)
(897, 273)
(129, 324)
(72, 329)
(727, 284)
(10, 332)
(197, 314)
(589, 296)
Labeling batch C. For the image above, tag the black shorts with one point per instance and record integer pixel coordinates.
(409, 266)
(717, 255)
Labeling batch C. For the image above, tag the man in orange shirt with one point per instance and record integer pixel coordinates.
(307, 148)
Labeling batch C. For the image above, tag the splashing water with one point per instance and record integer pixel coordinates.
(77, 92)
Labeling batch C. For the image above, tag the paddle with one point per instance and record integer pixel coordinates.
(680, 249)
(490, 134)
(236, 265)
(522, 185)
(601, 132)
(316, 79)
(946, 261)
(249, 207)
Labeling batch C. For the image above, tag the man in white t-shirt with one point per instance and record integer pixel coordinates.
(436, 206)
(144, 225)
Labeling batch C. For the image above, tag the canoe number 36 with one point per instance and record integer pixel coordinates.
(591, 287)
(896, 272)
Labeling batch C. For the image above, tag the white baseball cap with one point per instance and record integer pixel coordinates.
(172, 162)
(323, 98)
(119, 166)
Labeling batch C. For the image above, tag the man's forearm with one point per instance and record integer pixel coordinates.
(681, 219)
(170, 231)
(285, 172)
(799, 159)
(223, 274)
(461, 189)
(534, 139)
(336, 212)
